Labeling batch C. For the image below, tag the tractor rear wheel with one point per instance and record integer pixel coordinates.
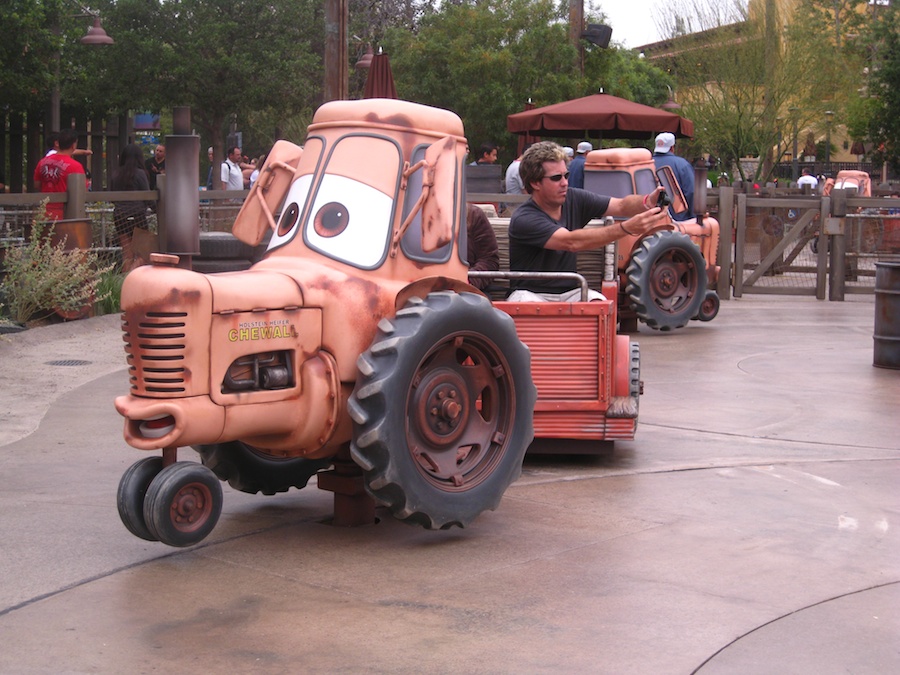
(666, 280)
(443, 409)
(249, 469)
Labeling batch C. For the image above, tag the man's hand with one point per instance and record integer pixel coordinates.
(647, 221)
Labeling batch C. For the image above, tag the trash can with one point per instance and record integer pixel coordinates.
(887, 315)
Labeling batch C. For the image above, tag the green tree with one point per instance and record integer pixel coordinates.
(884, 87)
(229, 60)
(484, 60)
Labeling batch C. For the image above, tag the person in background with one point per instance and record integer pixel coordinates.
(53, 146)
(156, 165)
(53, 171)
(487, 154)
(684, 172)
(547, 231)
(259, 161)
(570, 154)
(806, 178)
(209, 175)
(130, 176)
(576, 166)
(232, 176)
(482, 251)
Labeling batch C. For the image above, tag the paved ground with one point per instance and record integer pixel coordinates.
(752, 527)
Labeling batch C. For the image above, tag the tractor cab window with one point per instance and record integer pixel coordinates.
(644, 181)
(348, 214)
(611, 183)
(412, 242)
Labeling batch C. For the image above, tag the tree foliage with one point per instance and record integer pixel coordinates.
(484, 60)
(884, 91)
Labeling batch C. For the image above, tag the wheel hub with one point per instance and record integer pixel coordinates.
(439, 407)
(190, 507)
(665, 281)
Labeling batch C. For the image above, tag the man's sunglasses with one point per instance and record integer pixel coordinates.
(558, 177)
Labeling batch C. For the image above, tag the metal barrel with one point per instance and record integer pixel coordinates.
(887, 315)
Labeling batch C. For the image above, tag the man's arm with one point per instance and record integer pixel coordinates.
(588, 238)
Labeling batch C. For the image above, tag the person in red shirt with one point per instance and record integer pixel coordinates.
(52, 171)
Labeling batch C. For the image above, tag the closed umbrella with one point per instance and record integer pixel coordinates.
(380, 81)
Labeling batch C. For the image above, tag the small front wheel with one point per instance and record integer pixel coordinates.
(709, 308)
(132, 492)
(183, 504)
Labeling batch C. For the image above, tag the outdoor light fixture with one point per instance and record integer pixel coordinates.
(96, 35)
(671, 105)
(366, 60)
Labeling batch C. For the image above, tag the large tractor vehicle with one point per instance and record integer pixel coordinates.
(668, 276)
(355, 350)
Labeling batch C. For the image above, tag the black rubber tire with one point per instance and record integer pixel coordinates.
(709, 308)
(224, 246)
(183, 504)
(248, 469)
(666, 280)
(211, 265)
(635, 386)
(443, 410)
(132, 492)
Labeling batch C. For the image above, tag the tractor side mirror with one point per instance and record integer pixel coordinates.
(440, 177)
(667, 179)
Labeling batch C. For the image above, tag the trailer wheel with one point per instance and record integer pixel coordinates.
(132, 492)
(443, 409)
(635, 386)
(183, 504)
(666, 280)
(248, 469)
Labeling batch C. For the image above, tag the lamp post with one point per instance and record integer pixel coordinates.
(95, 36)
(795, 168)
(829, 116)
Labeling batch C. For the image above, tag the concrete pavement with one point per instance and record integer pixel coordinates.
(751, 527)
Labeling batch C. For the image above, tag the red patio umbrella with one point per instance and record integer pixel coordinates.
(599, 116)
(380, 80)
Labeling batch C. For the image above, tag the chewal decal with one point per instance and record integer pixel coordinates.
(262, 330)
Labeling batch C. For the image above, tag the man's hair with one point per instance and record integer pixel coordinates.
(232, 148)
(67, 139)
(486, 149)
(531, 168)
(52, 139)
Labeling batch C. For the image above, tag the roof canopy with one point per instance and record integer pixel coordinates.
(599, 116)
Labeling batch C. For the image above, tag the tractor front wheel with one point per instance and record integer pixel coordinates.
(132, 492)
(443, 409)
(666, 280)
(183, 504)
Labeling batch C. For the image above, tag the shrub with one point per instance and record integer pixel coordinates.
(109, 289)
(42, 278)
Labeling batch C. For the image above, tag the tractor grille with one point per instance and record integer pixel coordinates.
(156, 347)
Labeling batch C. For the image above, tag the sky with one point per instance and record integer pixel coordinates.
(631, 21)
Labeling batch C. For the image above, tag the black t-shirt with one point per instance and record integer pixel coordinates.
(530, 228)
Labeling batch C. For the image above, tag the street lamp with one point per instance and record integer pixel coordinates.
(795, 168)
(95, 36)
(829, 117)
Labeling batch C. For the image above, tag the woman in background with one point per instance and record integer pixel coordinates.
(129, 215)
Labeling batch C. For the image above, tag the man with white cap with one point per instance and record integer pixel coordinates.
(684, 172)
(576, 168)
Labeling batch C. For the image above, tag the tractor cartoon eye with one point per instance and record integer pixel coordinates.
(288, 220)
(331, 219)
(349, 221)
(294, 202)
